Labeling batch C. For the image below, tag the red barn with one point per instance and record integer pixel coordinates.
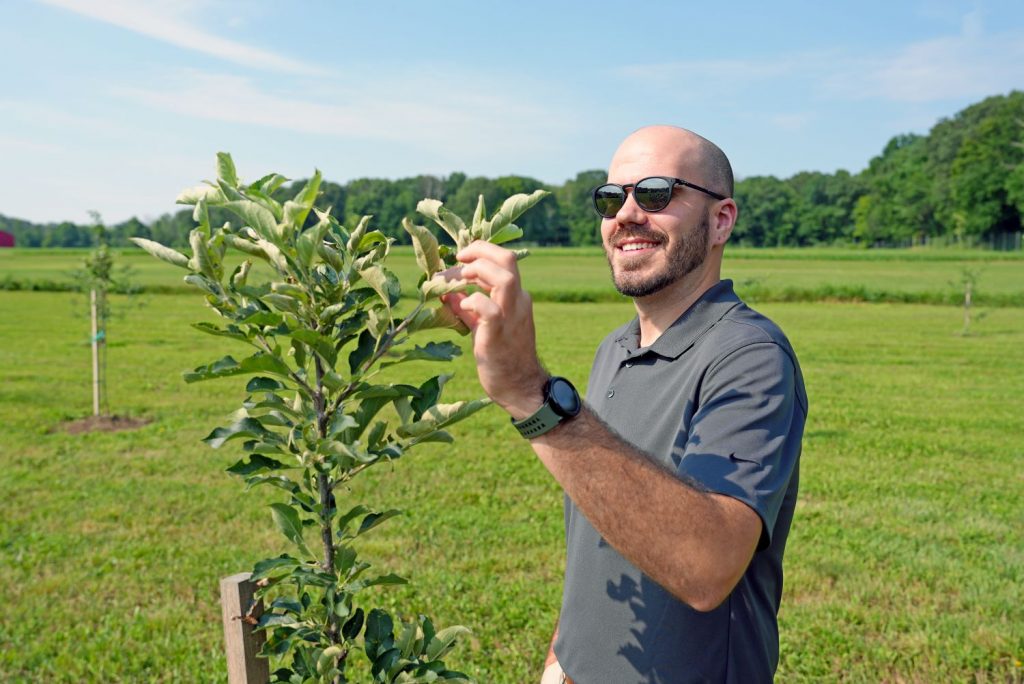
(6, 239)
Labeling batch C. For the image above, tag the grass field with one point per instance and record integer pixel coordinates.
(905, 563)
(580, 274)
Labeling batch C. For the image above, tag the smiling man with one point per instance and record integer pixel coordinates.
(681, 469)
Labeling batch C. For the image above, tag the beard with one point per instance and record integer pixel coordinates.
(684, 257)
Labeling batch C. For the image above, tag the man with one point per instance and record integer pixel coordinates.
(680, 472)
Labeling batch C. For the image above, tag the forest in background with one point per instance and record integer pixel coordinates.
(962, 182)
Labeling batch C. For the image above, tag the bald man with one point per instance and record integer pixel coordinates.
(681, 468)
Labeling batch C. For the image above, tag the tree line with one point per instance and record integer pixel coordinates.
(964, 180)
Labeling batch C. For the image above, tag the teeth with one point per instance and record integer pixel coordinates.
(634, 246)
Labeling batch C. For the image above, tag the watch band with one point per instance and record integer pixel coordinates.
(542, 420)
(553, 411)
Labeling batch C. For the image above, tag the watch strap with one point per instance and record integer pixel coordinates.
(542, 420)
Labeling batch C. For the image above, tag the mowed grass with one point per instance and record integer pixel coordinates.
(905, 563)
(581, 274)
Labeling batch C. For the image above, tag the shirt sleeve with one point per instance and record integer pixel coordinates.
(744, 437)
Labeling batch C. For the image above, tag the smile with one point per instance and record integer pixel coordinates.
(636, 246)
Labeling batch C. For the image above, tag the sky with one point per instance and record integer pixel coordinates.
(116, 105)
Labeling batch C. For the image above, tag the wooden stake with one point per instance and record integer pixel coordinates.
(95, 357)
(242, 644)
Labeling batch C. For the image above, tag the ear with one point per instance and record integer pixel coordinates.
(723, 218)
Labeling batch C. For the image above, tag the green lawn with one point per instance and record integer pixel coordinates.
(905, 563)
(581, 274)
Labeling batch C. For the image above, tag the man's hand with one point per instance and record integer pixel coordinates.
(501, 319)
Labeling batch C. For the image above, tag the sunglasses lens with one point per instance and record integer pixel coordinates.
(608, 199)
(653, 194)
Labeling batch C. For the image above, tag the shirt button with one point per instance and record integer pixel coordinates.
(611, 393)
(629, 364)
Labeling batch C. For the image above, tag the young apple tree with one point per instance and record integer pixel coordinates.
(316, 413)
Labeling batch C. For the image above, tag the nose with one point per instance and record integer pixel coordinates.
(630, 213)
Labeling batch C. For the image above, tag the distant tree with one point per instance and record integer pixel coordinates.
(767, 207)
(577, 209)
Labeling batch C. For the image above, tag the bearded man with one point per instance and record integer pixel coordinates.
(681, 469)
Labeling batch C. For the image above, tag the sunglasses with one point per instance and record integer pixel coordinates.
(651, 194)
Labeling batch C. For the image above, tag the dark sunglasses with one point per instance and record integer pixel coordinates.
(651, 194)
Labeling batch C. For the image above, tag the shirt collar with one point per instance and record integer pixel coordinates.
(711, 307)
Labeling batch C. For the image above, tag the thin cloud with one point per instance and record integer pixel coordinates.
(970, 64)
(434, 112)
(166, 21)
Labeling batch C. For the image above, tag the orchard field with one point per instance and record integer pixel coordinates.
(905, 563)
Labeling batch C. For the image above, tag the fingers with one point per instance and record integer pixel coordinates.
(485, 250)
(482, 308)
(453, 302)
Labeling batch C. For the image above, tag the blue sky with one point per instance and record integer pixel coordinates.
(116, 105)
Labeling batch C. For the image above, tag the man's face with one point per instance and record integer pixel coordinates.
(647, 252)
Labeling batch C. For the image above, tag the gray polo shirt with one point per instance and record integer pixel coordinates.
(718, 399)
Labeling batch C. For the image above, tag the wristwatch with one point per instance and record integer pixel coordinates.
(561, 402)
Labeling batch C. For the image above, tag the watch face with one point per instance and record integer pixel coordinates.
(564, 397)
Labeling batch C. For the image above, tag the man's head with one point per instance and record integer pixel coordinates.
(649, 251)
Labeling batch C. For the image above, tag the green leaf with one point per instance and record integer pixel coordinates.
(442, 415)
(432, 351)
(240, 274)
(256, 216)
(378, 635)
(275, 620)
(287, 605)
(350, 630)
(319, 343)
(262, 384)
(245, 246)
(372, 520)
(437, 317)
(274, 255)
(507, 234)
(263, 319)
(363, 351)
(245, 427)
(425, 246)
(440, 285)
(204, 284)
(430, 392)
(205, 192)
(384, 283)
(512, 208)
(257, 464)
(211, 329)
(379, 321)
(201, 260)
(348, 517)
(436, 211)
(287, 520)
(340, 421)
(297, 209)
(274, 566)
(373, 440)
(269, 183)
(478, 215)
(368, 408)
(405, 642)
(167, 254)
(226, 169)
(438, 436)
(311, 237)
(227, 366)
(444, 641)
